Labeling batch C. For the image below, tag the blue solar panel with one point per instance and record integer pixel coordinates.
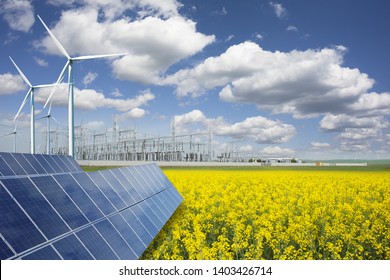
(51, 209)
(60, 201)
(115, 240)
(16, 227)
(94, 192)
(95, 243)
(137, 226)
(5, 250)
(24, 164)
(36, 206)
(127, 185)
(79, 197)
(45, 253)
(5, 170)
(34, 163)
(13, 164)
(108, 191)
(71, 248)
(127, 232)
(41, 160)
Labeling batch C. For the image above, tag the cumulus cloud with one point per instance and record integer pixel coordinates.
(10, 84)
(152, 43)
(320, 145)
(279, 10)
(89, 99)
(89, 78)
(305, 84)
(41, 62)
(292, 28)
(19, 14)
(135, 113)
(341, 122)
(277, 151)
(258, 129)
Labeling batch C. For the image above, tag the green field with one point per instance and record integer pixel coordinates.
(370, 167)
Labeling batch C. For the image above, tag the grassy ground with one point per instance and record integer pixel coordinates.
(370, 167)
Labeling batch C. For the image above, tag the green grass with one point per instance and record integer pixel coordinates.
(370, 167)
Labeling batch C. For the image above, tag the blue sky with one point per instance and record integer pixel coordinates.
(305, 78)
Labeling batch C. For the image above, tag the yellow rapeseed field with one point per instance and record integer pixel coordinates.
(268, 214)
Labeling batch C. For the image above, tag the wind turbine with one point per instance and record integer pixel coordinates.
(30, 93)
(48, 116)
(13, 133)
(69, 66)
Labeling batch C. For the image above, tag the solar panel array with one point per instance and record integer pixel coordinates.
(51, 209)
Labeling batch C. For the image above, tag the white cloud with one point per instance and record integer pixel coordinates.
(279, 10)
(153, 43)
(341, 122)
(135, 113)
(41, 62)
(302, 83)
(116, 93)
(277, 151)
(94, 125)
(222, 12)
(10, 84)
(258, 129)
(292, 28)
(258, 36)
(246, 149)
(19, 14)
(228, 39)
(89, 78)
(320, 145)
(89, 99)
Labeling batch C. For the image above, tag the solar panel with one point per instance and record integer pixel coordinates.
(51, 209)
(14, 164)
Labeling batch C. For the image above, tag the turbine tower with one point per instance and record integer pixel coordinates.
(48, 116)
(69, 66)
(14, 134)
(32, 105)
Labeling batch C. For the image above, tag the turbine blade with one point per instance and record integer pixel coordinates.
(58, 44)
(45, 116)
(58, 81)
(23, 103)
(56, 121)
(21, 73)
(85, 57)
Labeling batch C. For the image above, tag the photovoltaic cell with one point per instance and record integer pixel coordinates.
(79, 197)
(115, 240)
(108, 191)
(93, 191)
(136, 244)
(45, 253)
(24, 164)
(13, 164)
(44, 164)
(36, 206)
(34, 162)
(94, 242)
(5, 170)
(60, 201)
(15, 227)
(70, 248)
(51, 209)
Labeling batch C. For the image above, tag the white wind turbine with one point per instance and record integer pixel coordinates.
(14, 134)
(30, 94)
(69, 66)
(48, 116)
